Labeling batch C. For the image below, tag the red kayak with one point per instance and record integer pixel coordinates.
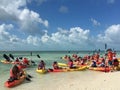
(56, 70)
(15, 82)
(102, 69)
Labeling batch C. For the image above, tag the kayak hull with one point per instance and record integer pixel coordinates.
(68, 70)
(15, 82)
(102, 69)
(57, 70)
(5, 62)
(41, 71)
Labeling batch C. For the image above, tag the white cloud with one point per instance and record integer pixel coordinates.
(30, 22)
(95, 22)
(16, 12)
(111, 36)
(7, 40)
(63, 9)
(4, 35)
(20, 18)
(75, 38)
(9, 9)
(33, 40)
(45, 38)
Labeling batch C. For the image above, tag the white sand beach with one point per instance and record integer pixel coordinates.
(86, 80)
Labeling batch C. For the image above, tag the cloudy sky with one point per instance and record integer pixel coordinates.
(59, 24)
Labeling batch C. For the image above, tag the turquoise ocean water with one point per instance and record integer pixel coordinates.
(39, 80)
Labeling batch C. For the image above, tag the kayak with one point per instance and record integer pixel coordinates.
(41, 71)
(65, 65)
(57, 70)
(62, 65)
(15, 82)
(119, 59)
(102, 69)
(5, 62)
(15, 62)
(81, 68)
(68, 70)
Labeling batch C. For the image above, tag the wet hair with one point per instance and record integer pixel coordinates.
(55, 62)
(42, 61)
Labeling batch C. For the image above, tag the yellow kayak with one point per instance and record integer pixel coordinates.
(68, 69)
(41, 71)
(78, 69)
(5, 62)
(65, 65)
(62, 65)
(119, 59)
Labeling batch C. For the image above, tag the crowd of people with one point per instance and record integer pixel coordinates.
(95, 60)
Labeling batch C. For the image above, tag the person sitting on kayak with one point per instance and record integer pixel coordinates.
(41, 65)
(110, 59)
(102, 62)
(70, 64)
(14, 73)
(94, 64)
(115, 62)
(17, 61)
(65, 57)
(77, 61)
(20, 66)
(25, 61)
(55, 65)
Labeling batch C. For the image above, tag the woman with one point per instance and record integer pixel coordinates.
(14, 73)
(70, 64)
(41, 65)
(55, 65)
(94, 64)
(26, 61)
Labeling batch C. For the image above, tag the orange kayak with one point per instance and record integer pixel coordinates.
(15, 82)
(102, 69)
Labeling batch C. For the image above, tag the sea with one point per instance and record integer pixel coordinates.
(48, 81)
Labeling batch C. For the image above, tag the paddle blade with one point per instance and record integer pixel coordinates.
(29, 76)
(32, 61)
(10, 55)
(28, 79)
(21, 58)
(38, 56)
(6, 57)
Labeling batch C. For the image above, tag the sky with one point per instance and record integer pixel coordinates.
(52, 25)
